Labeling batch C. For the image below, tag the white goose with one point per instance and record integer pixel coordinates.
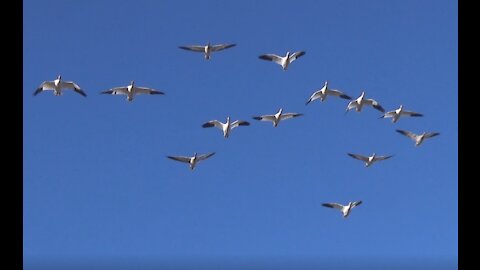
(276, 118)
(192, 161)
(132, 90)
(418, 138)
(346, 209)
(369, 160)
(57, 86)
(207, 49)
(324, 92)
(361, 101)
(227, 126)
(395, 114)
(282, 61)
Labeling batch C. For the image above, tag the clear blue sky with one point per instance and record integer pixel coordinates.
(97, 184)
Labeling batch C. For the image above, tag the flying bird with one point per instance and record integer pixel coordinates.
(192, 161)
(418, 138)
(227, 126)
(132, 90)
(346, 209)
(282, 61)
(361, 101)
(57, 86)
(276, 118)
(324, 92)
(369, 160)
(395, 114)
(207, 49)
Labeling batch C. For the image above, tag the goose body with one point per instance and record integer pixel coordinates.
(276, 118)
(57, 86)
(345, 209)
(369, 160)
(395, 114)
(283, 61)
(418, 138)
(227, 126)
(361, 101)
(324, 92)
(207, 49)
(131, 90)
(193, 160)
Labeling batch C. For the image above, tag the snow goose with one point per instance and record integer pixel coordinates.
(227, 126)
(361, 100)
(395, 114)
(418, 138)
(207, 49)
(57, 86)
(282, 61)
(369, 160)
(276, 118)
(346, 209)
(132, 90)
(324, 92)
(192, 161)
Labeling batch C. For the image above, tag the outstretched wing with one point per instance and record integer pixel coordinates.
(74, 86)
(296, 55)
(46, 85)
(290, 115)
(407, 133)
(271, 57)
(333, 205)
(338, 93)
(213, 123)
(180, 158)
(194, 48)
(431, 134)
(374, 104)
(116, 91)
(410, 113)
(239, 123)
(265, 118)
(382, 157)
(359, 157)
(205, 156)
(219, 47)
(357, 203)
(149, 91)
(314, 96)
(352, 104)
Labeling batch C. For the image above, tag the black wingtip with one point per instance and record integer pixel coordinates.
(157, 93)
(81, 93)
(346, 97)
(265, 57)
(257, 118)
(207, 125)
(380, 108)
(38, 90)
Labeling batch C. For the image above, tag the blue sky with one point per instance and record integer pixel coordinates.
(97, 184)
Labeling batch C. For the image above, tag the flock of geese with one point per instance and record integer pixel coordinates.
(131, 90)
